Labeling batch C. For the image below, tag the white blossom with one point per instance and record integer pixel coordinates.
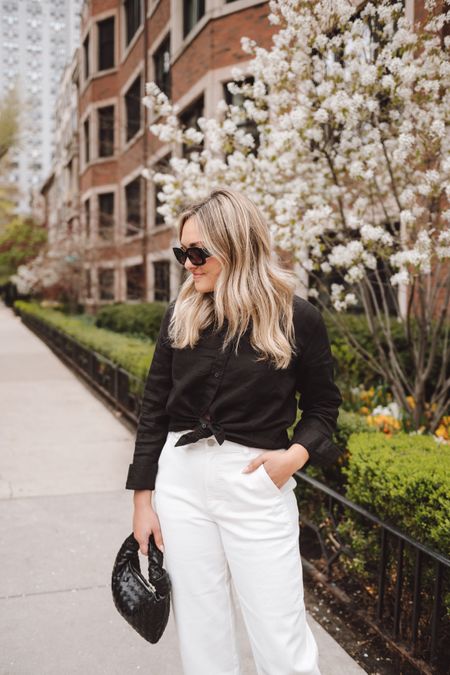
(346, 150)
(399, 278)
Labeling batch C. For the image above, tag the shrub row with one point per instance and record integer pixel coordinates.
(140, 320)
(402, 479)
(405, 480)
(132, 354)
(143, 320)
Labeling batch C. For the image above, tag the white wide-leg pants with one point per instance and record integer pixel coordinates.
(216, 523)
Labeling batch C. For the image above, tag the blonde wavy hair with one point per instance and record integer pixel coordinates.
(252, 287)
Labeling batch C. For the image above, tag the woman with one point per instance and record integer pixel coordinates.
(212, 447)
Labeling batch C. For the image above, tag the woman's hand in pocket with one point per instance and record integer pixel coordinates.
(146, 521)
(277, 465)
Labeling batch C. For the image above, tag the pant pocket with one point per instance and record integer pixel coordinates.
(290, 484)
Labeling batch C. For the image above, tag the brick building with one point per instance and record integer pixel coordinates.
(189, 48)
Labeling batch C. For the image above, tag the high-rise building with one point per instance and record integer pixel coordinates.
(37, 40)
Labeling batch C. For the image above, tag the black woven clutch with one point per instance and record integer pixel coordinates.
(144, 604)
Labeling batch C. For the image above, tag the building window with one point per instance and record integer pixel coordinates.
(135, 282)
(132, 18)
(162, 166)
(161, 62)
(133, 200)
(105, 131)
(133, 108)
(193, 10)
(87, 218)
(106, 215)
(86, 56)
(161, 271)
(106, 44)
(189, 118)
(106, 284)
(87, 154)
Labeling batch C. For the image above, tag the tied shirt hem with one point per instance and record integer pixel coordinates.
(204, 429)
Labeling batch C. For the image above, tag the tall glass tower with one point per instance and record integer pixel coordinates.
(37, 39)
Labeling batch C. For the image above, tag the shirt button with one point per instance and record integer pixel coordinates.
(216, 374)
(204, 425)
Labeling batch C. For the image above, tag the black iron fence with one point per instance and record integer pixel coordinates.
(406, 584)
(411, 605)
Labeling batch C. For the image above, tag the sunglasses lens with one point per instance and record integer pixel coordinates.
(195, 256)
(180, 255)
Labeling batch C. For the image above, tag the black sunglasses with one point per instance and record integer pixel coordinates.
(196, 255)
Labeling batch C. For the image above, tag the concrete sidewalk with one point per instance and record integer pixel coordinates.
(64, 512)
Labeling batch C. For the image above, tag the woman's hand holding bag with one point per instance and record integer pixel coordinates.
(145, 605)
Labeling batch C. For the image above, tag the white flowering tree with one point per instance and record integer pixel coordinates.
(350, 163)
(57, 272)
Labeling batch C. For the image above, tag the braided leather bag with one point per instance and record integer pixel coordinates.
(144, 604)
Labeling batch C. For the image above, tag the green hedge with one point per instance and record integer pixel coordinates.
(143, 319)
(404, 480)
(132, 354)
(135, 354)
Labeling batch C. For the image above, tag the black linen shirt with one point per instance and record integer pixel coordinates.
(232, 397)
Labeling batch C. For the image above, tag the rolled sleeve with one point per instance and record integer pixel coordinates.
(153, 421)
(320, 398)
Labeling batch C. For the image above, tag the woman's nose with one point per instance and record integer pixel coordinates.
(189, 266)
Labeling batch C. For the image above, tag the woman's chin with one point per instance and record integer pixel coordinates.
(202, 286)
